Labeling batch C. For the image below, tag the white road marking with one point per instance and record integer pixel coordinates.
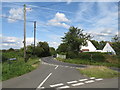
(83, 79)
(55, 85)
(42, 87)
(56, 67)
(63, 87)
(92, 78)
(77, 84)
(89, 81)
(44, 80)
(98, 79)
(72, 82)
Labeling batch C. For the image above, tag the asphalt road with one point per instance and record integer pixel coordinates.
(59, 75)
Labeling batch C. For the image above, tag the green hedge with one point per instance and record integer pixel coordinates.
(93, 56)
(71, 55)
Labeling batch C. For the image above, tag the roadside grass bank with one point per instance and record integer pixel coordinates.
(18, 67)
(114, 63)
(99, 72)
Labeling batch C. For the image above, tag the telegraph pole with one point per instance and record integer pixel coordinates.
(25, 33)
(34, 35)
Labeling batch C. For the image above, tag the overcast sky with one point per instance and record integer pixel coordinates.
(100, 19)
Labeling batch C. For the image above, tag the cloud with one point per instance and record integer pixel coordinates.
(54, 44)
(15, 14)
(14, 42)
(100, 19)
(59, 20)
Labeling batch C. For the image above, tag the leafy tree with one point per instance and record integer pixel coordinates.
(42, 49)
(11, 49)
(95, 43)
(102, 44)
(75, 38)
(52, 51)
(63, 47)
(116, 44)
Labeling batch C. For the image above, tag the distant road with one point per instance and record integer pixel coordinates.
(59, 75)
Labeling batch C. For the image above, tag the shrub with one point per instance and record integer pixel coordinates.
(72, 55)
(93, 56)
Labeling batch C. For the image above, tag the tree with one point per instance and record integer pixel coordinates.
(95, 43)
(63, 47)
(102, 44)
(42, 49)
(52, 51)
(75, 38)
(11, 49)
(116, 44)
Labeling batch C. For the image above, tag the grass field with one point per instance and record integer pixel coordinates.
(89, 62)
(99, 72)
(19, 67)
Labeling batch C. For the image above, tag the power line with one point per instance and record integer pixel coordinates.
(45, 7)
(15, 18)
(49, 8)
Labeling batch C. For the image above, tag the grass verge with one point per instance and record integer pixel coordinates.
(99, 72)
(18, 68)
(90, 62)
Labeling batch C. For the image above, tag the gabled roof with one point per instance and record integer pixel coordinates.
(89, 46)
(108, 48)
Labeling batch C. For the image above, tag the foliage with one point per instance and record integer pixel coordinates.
(95, 43)
(102, 44)
(116, 46)
(99, 72)
(11, 49)
(72, 55)
(52, 51)
(42, 49)
(75, 38)
(108, 62)
(17, 68)
(63, 47)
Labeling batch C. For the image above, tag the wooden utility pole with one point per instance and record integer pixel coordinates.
(34, 35)
(25, 33)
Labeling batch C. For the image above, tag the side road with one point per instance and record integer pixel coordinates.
(56, 76)
(50, 60)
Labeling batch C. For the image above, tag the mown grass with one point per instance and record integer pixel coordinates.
(19, 67)
(90, 62)
(99, 72)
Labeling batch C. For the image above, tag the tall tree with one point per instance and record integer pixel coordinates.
(75, 38)
(52, 51)
(102, 44)
(95, 43)
(63, 47)
(116, 44)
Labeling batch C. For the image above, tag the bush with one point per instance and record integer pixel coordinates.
(72, 55)
(93, 56)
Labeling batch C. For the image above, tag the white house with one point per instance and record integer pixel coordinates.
(108, 48)
(89, 47)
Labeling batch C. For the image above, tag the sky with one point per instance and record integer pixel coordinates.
(100, 19)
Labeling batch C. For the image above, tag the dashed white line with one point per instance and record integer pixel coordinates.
(55, 85)
(92, 78)
(72, 82)
(56, 67)
(98, 79)
(42, 87)
(44, 80)
(83, 79)
(63, 87)
(89, 81)
(77, 84)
